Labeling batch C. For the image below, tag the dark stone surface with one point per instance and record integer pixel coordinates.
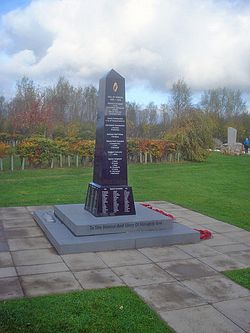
(109, 193)
(109, 200)
(110, 164)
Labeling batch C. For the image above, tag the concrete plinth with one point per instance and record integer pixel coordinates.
(71, 229)
(83, 223)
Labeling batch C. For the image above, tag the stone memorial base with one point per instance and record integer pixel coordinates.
(107, 200)
(72, 229)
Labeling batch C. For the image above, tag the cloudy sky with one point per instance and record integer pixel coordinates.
(152, 43)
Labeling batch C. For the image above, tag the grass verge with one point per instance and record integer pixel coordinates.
(240, 276)
(113, 310)
(218, 187)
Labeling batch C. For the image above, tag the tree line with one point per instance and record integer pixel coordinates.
(66, 111)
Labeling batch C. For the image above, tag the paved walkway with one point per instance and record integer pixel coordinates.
(183, 283)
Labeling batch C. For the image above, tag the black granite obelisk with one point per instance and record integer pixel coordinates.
(109, 193)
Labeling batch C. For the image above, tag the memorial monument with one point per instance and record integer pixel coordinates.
(109, 219)
(109, 193)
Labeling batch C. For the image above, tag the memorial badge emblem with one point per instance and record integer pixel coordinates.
(115, 86)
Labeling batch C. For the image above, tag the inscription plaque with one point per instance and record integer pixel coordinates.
(109, 193)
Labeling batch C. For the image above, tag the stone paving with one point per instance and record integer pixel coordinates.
(182, 283)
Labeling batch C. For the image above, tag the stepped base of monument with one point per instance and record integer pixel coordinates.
(145, 229)
(83, 223)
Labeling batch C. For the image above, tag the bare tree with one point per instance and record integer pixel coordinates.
(180, 98)
(223, 102)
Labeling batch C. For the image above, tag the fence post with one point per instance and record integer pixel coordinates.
(140, 157)
(12, 162)
(23, 163)
(61, 161)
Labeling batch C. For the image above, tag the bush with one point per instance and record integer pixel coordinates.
(193, 136)
(38, 150)
(5, 150)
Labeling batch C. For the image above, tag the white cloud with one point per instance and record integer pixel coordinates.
(206, 42)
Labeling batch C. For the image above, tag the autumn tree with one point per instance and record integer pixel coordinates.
(29, 113)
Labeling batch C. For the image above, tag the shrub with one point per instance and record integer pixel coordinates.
(5, 149)
(38, 150)
(193, 136)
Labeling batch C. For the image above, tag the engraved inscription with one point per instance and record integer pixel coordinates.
(115, 106)
(125, 226)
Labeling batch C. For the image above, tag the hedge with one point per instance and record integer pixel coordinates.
(41, 152)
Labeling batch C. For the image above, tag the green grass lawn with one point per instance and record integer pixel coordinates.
(114, 310)
(218, 187)
(240, 276)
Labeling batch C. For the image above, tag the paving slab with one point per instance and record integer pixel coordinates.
(231, 248)
(7, 272)
(6, 259)
(40, 269)
(10, 288)
(83, 261)
(4, 247)
(19, 223)
(238, 310)
(169, 296)
(198, 218)
(246, 241)
(242, 256)
(185, 221)
(169, 253)
(202, 319)
(31, 209)
(13, 210)
(50, 283)
(15, 215)
(123, 258)
(198, 250)
(216, 288)
(187, 269)
(182, 213)
(241, 235)
(23, 232)
(140, 275)
(189, 223)
(28, 243)
(99, 278)
(222, 262)
(219, 240)
(35, 257)
(166, 205)
(221, 227)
